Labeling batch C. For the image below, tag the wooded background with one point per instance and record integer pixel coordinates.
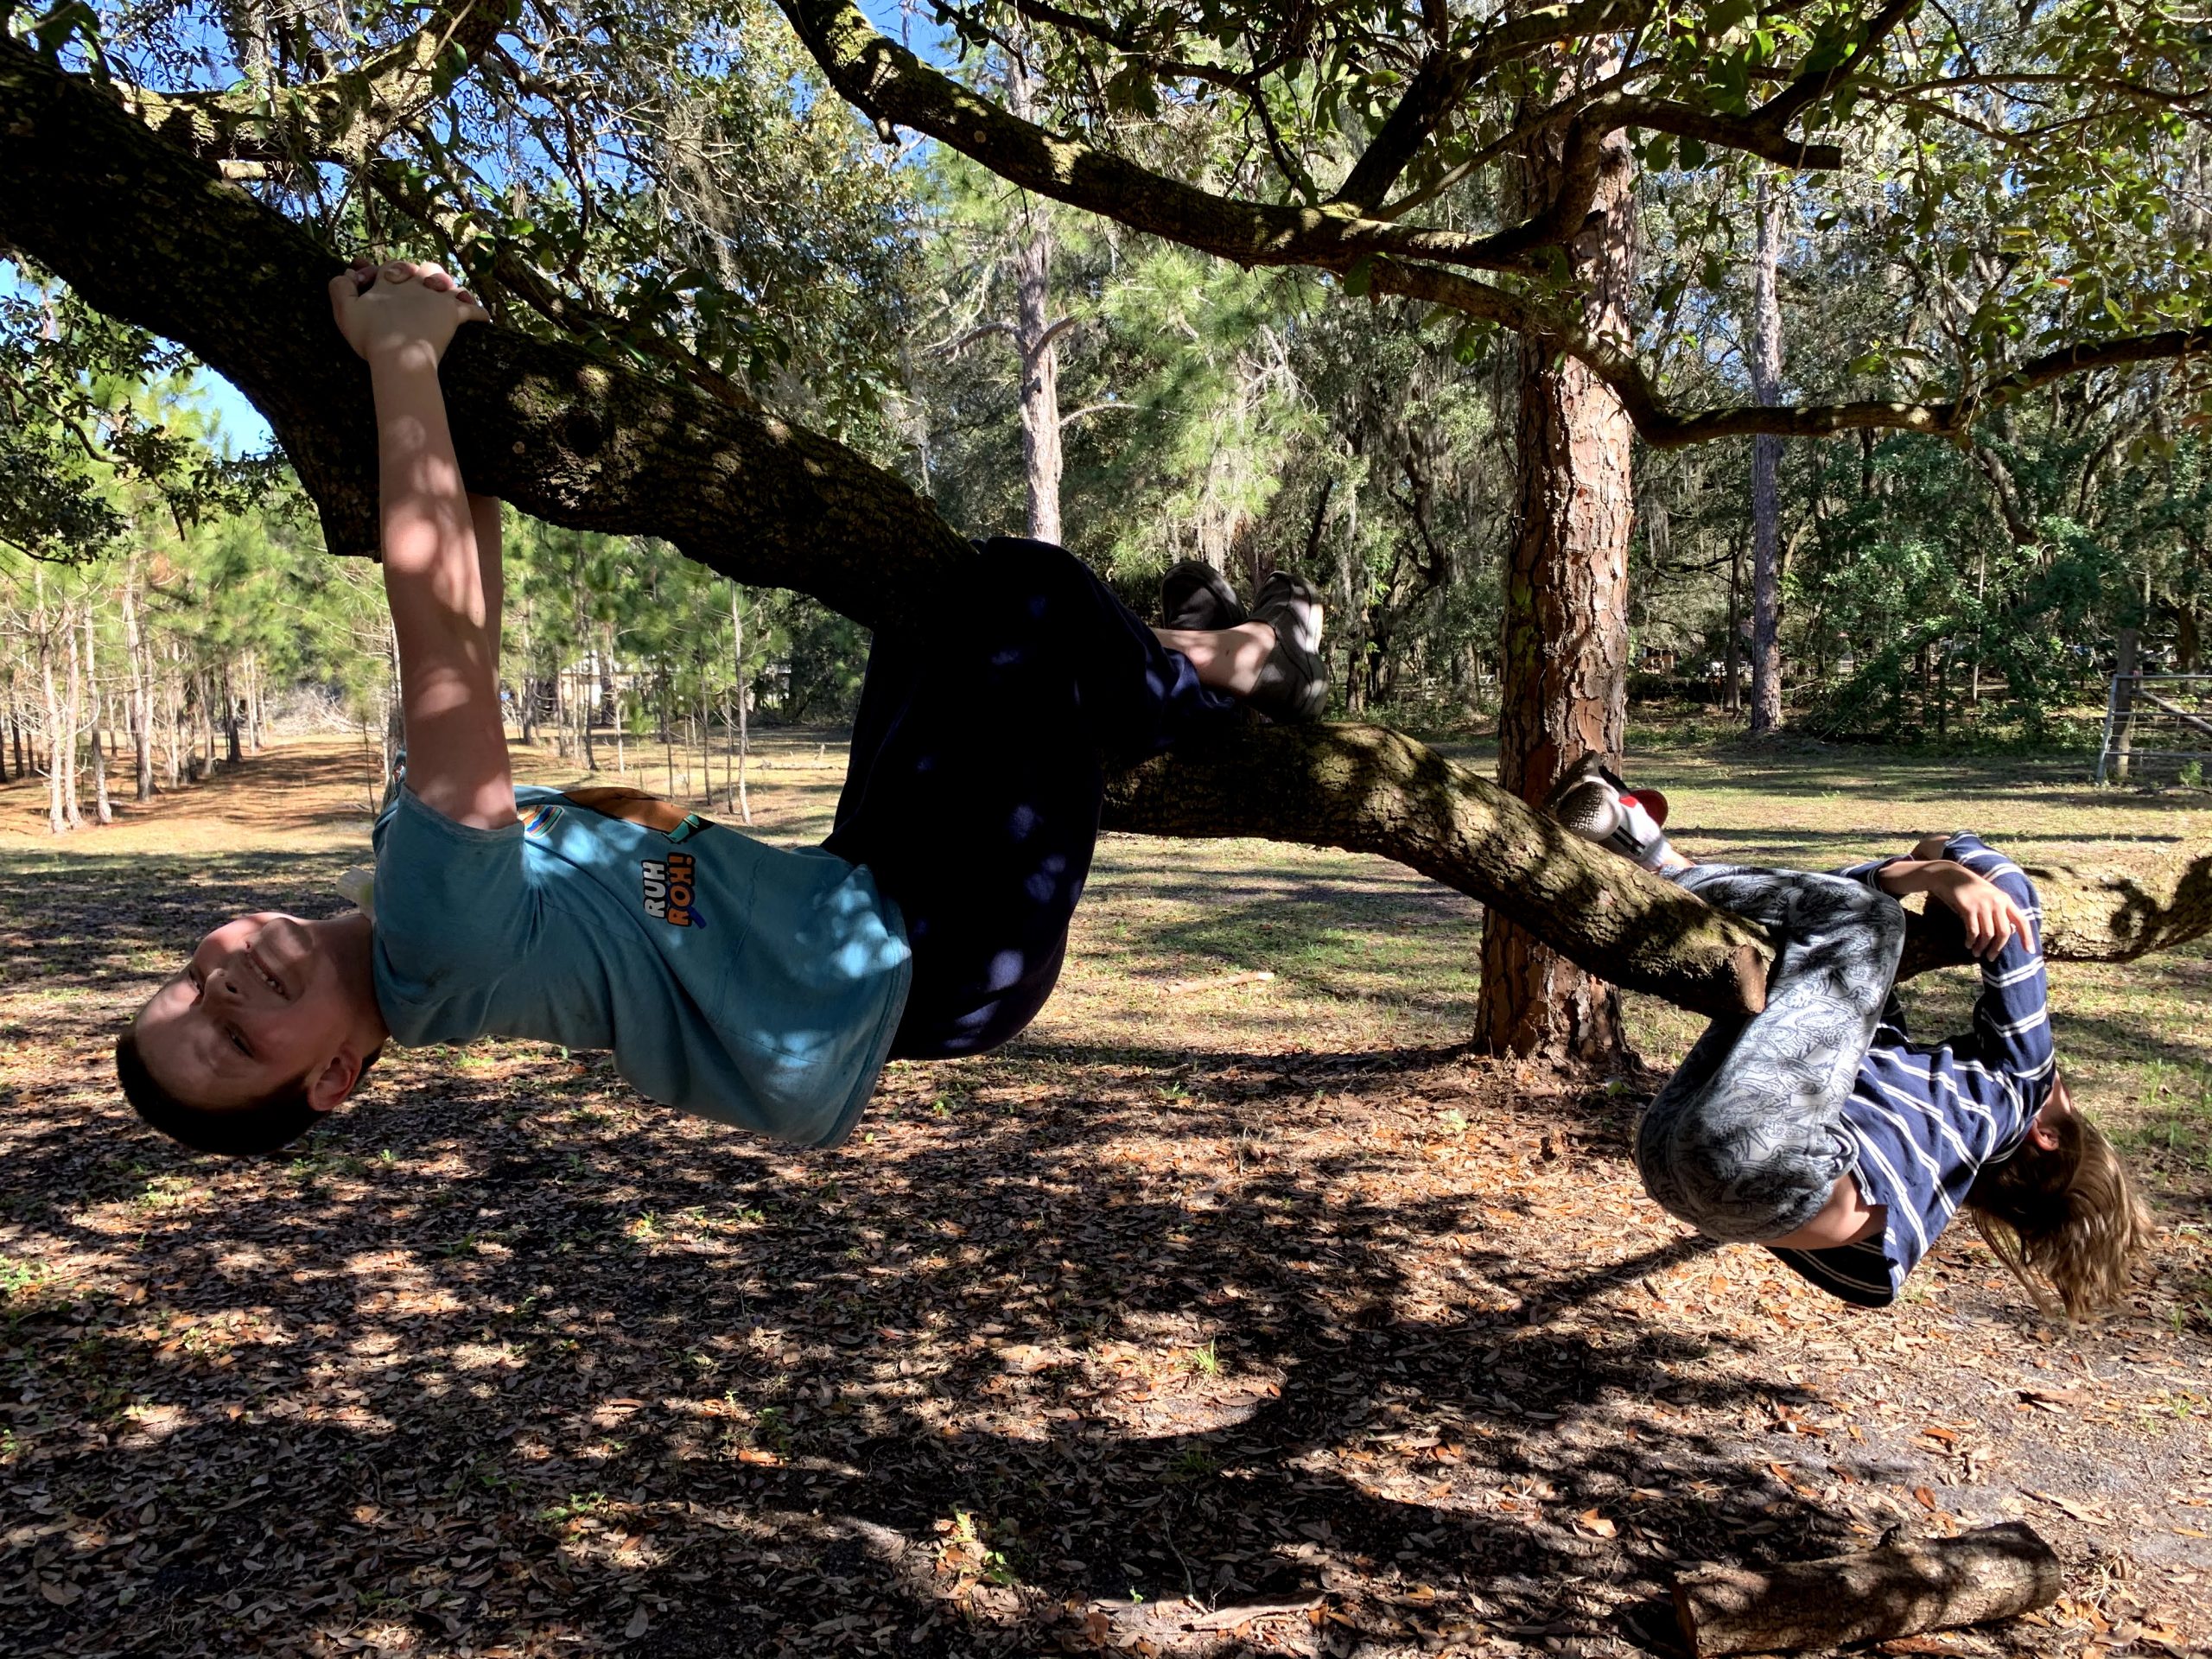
(1470, 316)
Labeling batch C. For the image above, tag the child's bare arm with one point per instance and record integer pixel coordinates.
(1990, 916)
(400, 319)
(1844, 1219)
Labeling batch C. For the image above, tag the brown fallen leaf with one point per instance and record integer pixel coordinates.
(1591, 1520)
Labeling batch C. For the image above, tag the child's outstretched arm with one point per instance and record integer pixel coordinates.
(443, 598)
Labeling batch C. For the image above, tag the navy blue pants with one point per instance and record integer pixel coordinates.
(978, 772)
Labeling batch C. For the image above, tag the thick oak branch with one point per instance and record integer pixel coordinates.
(1615, 363)
(347, 114)
(1371, 789)
(890, 84)
(1443, 78)
(2105, 911)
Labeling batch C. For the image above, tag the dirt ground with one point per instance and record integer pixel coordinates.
(1217, 1316)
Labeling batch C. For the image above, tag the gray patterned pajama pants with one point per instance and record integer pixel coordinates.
(1747, 1139)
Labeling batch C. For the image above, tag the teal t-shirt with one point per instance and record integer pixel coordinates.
(735, 980)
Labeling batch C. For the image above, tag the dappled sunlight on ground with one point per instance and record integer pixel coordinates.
(1225, 1315)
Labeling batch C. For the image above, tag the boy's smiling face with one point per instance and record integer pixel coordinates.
(265, 1003)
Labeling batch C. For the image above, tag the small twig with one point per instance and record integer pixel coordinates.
(1176, 987)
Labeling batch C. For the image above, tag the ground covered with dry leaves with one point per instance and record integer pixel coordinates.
(1220, 1315)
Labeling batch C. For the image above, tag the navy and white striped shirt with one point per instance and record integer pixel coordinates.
(1926, 1116)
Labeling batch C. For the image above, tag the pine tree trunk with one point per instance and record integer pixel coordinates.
(706, 738)
(614, 703)
(1035, 338)
(64, 743)
(737, 657)
(1564, 659)
(1731, 644)
(142, 677)
(57, 819)
(173, 698)
(207, 720)
(529, 685)
(1765, 359)
(395, 713)
(586, 698)
(668, 730)
(231, 749)
(249, 699)
(103, 809)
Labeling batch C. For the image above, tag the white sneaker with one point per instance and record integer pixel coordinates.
(1592, 802)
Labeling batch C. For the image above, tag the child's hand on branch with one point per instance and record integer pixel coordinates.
(1991, 916)
(401, 312)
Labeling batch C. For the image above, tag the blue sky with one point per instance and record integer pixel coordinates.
(242, 422)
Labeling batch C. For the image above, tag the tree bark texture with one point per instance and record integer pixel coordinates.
(1368, 789)
(1929, 1584)
(1036, 341)
(1765, 359)
(57, 819)
(61, 744)
(152, 237)
(1564, 659)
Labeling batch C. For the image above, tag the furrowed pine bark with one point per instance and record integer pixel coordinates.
(1926, 1584)
(1564, 661)
(1036, 341)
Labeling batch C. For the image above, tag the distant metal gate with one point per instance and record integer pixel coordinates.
(2162, 717)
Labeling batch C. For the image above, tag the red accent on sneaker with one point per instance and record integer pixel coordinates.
(1652, 802)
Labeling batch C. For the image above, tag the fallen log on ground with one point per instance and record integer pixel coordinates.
(1901, 1589)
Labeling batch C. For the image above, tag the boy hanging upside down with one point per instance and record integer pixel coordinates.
(1821, 1130)
(760, 986)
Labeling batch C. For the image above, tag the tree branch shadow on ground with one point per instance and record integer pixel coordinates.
(499, 1321)
(1223, 1512)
